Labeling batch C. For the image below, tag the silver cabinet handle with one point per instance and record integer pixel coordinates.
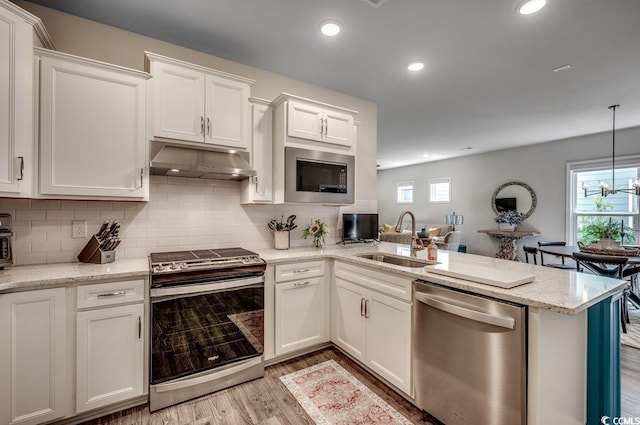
(141, 180)
(362, 301)
(112, 294)
(326, 126)
(201, 124)
(478, 316)
(208, 126)
(321, 126)
(299, 284)
(21, 159)
(300, 271)
(139, 327)
(366, 309)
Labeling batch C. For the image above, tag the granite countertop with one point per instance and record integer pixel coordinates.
(562, 291)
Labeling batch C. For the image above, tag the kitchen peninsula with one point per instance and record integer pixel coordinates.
(578, 311)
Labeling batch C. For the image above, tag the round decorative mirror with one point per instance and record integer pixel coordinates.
(516, 196)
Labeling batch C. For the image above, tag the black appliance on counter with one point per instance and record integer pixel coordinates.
(207, 322)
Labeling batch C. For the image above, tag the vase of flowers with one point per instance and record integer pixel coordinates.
(508, 220)
(318, 230)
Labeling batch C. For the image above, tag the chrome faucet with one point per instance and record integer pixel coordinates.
(415, 246)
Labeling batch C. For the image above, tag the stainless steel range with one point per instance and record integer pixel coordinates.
(207, 322)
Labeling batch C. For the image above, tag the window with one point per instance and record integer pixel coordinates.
(440, 189)
(405, 192)
(594, 217)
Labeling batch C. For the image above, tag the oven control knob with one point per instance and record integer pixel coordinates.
(174, 266)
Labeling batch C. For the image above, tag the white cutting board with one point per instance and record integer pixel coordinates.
(487, 275)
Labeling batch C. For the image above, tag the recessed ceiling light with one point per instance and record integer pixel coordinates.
(562, 68)
(415, 66)
(330, 28)
(531, 6)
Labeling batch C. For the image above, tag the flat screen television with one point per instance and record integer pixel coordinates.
(359, 227)
(506, 204)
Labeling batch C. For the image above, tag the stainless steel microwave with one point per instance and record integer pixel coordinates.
(318, 177)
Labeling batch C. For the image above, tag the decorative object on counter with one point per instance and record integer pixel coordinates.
(423, 233)
(281, 229)
(101, 247)
(432, 251)
(318, 230)
(322, 389)
(605, 189)
(508, 220)
(453, 219)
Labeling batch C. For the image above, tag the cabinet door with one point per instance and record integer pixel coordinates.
(338, 128)
(16, 105)
(178, 102)
(228, 113)
(350, 323)
(305, 121)
(300, 314)
(388, 339)
(92, 130)
(109, 356)
(262, 153)
(33, 370)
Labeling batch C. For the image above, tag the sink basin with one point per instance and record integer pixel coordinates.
(398, 260)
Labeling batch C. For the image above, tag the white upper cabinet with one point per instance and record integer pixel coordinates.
(19, 32)
(92, 129)
(306, 120)
(195, 104)
(259, 188)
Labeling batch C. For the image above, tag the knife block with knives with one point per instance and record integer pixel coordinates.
(101, 247)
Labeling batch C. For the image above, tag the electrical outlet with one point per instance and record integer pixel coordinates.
(79, 229)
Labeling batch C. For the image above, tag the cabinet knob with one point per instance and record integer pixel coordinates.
(301, 283)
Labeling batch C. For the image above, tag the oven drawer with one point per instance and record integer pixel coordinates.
(301, 270)
(112, 293)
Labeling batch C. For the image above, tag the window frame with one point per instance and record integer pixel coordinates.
(574, 188)
(406, 183)
(439, 180)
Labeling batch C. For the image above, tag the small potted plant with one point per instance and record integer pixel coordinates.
(508, 220)
(318, 230)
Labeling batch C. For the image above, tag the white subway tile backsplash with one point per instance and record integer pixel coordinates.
(181, 214)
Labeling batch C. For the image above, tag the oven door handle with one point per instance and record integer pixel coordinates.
(207, 287)
(188, 382)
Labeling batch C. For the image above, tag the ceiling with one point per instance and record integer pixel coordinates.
(489, 82)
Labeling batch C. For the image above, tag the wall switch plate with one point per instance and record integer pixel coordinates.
(79, 229)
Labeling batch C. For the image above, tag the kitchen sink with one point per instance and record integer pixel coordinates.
(398, 260)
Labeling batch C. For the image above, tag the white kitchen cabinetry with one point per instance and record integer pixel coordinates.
(33, 387)
(258, 189)
(200, 105)
(110, 333)
(301, 306)
(92, 129)
(372, 321)
(19, 32)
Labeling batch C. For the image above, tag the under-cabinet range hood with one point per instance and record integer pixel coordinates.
(198, 162)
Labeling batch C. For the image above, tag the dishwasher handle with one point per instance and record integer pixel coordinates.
(490, 319)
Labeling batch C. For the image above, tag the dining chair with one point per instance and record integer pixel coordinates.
(608, 266)
(560, 265)
(530, 250)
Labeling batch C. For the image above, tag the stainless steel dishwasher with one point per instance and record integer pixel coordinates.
(469, 357)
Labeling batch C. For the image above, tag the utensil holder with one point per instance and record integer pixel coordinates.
(91, 253)
(281, 239)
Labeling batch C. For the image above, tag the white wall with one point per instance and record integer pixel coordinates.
(475, 177)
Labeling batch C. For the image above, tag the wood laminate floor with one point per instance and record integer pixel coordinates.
(267, 401)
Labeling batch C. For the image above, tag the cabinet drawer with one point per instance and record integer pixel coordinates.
(111, 293)
(383, 282)
(300, 270)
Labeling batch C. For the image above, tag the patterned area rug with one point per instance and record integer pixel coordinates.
(632, 337)
(331, 396)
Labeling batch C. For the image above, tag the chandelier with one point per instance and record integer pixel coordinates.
(605, 189)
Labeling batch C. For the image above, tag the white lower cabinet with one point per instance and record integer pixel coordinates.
(374, 326)
(33, 387)
(110, 345)
(301, 306)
